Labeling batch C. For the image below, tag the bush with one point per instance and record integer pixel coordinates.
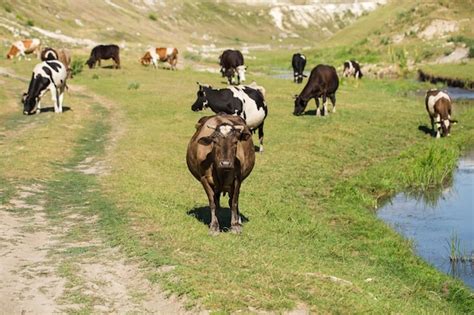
(7, 8)
(77, 66)
(30, 22)
(152, 17)
(134, 86)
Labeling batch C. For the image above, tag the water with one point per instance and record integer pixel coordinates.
(460, 94)
(431, 222)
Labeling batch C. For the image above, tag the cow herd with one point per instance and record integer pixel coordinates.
(221, 153)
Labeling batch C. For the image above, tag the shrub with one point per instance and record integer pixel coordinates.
(152, 17)
(30, 23)
(134, 86)
(76, 66)
(7, 8)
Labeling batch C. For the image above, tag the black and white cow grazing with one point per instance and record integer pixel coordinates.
(352, 68)
(232, 62)
(48, 75)
(298, 62)
(244, 101)
(323, 82)
(439, 107)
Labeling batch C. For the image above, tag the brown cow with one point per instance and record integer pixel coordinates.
(63, 55)
(24, 47)
(221, 155)
(153, 55)
(439, 107)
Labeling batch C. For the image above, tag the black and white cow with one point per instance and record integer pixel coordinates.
(298, 62)
(247, 102)
(323, 82)
(352, 68)
(48, 75)
(232, 62)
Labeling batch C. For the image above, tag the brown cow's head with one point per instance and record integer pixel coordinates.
(300, 105)
(224, 141)
(90, 62)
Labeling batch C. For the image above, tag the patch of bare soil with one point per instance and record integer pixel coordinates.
(62, 265)
(28, 279)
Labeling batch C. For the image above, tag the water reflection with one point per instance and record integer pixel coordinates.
(431, 220)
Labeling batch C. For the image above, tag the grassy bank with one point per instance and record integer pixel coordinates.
(309, 201)
(462, 71)
(311, 241)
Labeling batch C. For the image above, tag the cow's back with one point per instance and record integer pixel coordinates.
(325, 77)
(197, 157)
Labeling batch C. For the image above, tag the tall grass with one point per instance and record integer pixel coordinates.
(433, 168)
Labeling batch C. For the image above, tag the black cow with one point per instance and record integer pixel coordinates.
(104, 52)
(232, 62)
(352, 68)
(244, 101)
(323, 82)
(298, 62)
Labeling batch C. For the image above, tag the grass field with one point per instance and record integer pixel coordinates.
(312, 239)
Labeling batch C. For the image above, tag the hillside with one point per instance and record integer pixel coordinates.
(199, 26)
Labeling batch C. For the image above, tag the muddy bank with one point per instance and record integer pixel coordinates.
(452, 82)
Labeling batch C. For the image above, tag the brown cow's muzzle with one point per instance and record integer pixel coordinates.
(225, 165)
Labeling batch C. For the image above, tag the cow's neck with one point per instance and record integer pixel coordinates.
(215, 102)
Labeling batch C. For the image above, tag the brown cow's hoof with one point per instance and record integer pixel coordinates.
(214, 232)
(236, 229)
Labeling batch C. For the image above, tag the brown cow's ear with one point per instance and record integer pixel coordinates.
(205, 140)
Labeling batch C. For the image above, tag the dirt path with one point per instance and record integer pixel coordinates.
(62, 265)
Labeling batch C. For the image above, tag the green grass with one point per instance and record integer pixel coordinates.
(463, 71)
(310, 200)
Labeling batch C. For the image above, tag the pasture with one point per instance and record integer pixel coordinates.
(311, 239)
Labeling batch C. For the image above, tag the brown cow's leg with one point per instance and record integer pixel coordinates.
(214, 225)
(117, 62)
(333, 101)
(324, 111)
(235, 221)
(316, 99)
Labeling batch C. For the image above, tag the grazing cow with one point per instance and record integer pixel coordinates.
(48, 75)
(298, 62)
(221, 155)
(323, 82)
(232, 62)
(63, 55)
(245, 101)
(104, 52)
(439, 107)
(49, 53)
(153, 55)
(352, 68)
(24, 47)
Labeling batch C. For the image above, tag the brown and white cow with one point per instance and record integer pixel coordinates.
(24, 47)
(438, 105)
(221, 155)
(63, 55)
(153, 55)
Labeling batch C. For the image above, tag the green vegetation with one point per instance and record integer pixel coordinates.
(76, 66)
(152, 16)
(30, 23)
(460, 71)
(312, 238)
